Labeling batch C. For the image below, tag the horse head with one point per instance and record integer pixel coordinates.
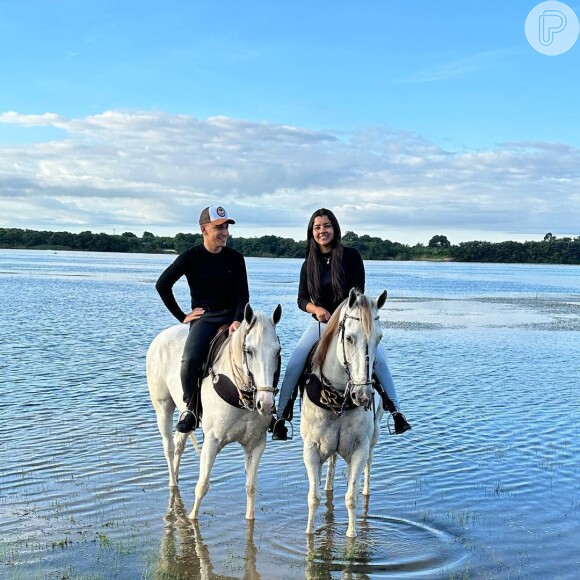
(261, 355)
(359, 334)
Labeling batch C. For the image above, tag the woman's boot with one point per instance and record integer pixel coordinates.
(401, 423)
(279, 431)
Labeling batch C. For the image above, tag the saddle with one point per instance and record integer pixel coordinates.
(214, 347)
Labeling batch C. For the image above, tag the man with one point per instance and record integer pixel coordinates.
(218, 285)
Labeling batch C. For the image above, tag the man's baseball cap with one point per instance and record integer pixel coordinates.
(215, 214)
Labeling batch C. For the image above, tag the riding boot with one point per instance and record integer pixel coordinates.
(190, 419)
(401, 423)
(279, 430)
(278, 427)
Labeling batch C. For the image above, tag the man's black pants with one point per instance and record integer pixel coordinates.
(201, 332)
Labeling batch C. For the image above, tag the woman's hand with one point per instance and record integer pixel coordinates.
(321, 314)
(234, 326)
(193, 315)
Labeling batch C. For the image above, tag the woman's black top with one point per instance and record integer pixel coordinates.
(353, 277)
(216, 281)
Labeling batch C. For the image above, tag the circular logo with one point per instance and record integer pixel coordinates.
(552, 28)
(220, 211)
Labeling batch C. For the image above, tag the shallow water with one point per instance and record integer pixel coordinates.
(486, 485)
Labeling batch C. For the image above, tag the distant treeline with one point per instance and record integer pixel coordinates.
(550, 250)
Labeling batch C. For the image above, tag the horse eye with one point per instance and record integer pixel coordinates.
(249, 352)
(349, 339)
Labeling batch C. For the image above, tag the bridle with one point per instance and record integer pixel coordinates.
(249, 387)
(350, 384)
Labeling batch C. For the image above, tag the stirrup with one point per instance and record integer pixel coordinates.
(182, 417)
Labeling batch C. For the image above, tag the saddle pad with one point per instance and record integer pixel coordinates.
(226, 389)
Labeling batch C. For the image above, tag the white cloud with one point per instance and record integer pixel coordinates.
(149, 170)
(457, 68)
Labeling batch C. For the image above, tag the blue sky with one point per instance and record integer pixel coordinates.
(410, 119)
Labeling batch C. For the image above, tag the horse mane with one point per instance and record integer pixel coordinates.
(365, 305)
(235, 343)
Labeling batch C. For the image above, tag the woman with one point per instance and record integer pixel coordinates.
(328, 273)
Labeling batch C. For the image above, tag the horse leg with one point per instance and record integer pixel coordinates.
(373, 442)
(367, 469)
(357, 462)
(179, 441)
(367, 475)
(252, 459)
(209, 451)
(164, 413)
(330, 471)
(313, 464)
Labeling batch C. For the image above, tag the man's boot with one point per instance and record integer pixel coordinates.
(189, 420)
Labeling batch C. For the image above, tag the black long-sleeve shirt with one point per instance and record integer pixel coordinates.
(354, 277)
(216, 281)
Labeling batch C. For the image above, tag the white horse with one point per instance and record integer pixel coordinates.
(249, 359)
(339, 412)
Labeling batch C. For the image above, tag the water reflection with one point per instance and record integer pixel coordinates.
(184, 554)
(326, 554)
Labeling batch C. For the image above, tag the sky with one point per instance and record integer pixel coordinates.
(407, 119)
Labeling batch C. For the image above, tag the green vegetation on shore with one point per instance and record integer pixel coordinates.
(551, 250)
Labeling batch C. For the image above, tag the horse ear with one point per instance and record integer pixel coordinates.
(381, 299)
(248, 313)
(352, 296)
(277, 314)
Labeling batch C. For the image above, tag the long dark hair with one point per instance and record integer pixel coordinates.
(314, 255)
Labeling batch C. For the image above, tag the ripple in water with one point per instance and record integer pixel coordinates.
(385, 545)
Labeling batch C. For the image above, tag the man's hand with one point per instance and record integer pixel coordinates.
(234, 326)
(193, 315)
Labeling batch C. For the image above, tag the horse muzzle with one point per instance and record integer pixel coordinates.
(265, 401)
(363, 396)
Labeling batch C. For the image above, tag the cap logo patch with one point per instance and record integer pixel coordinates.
(220, 211)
